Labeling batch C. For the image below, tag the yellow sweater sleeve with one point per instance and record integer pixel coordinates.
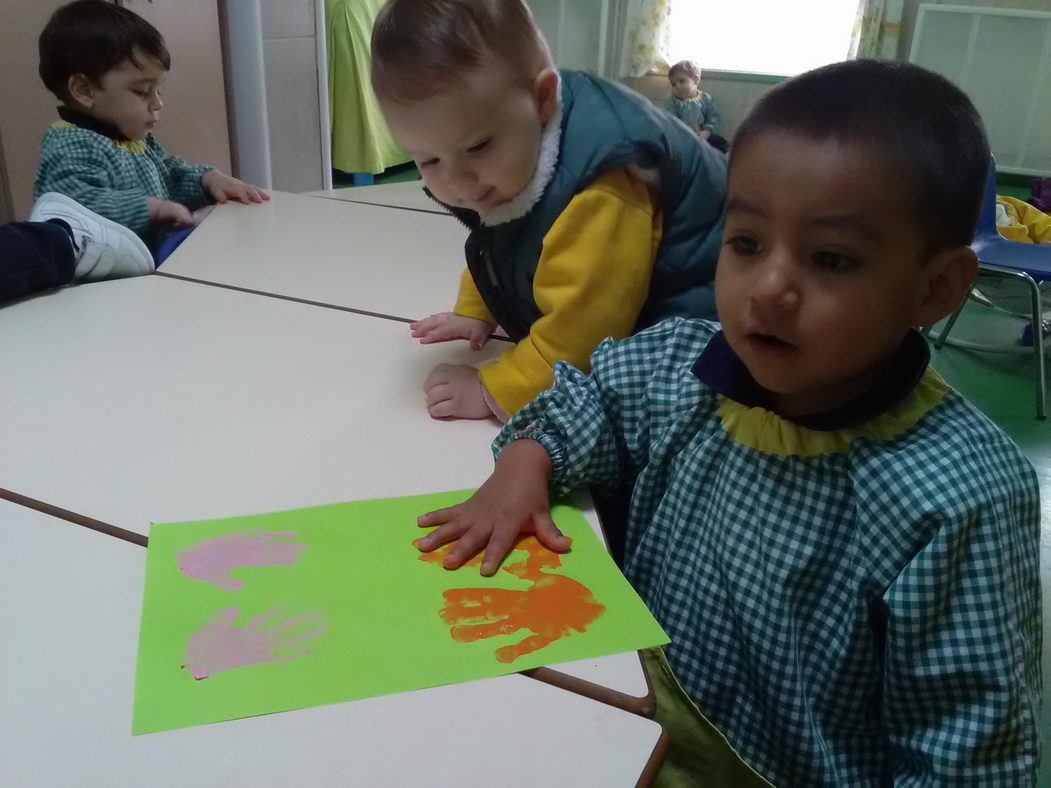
(590, 283)
(469, 302)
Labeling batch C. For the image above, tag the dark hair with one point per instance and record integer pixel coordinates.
(687, 67)
(916, 120)
(91, 37)
(422, 47)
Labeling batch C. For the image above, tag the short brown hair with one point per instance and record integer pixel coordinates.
(687, 67)
(91, 37)
(438, 41)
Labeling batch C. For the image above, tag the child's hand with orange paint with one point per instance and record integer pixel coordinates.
(513, 500)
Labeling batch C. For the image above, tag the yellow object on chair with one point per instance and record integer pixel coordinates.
(1024, 223)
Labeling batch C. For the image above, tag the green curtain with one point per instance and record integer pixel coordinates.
(361, 141)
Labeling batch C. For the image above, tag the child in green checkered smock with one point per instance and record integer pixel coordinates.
(106, 65)
(693, 106)
(842, 550)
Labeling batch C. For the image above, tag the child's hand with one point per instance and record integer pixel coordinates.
(704, 134)
(454, 391)
(225, 187)
(513, 500)
(168, 212)
(446, 326)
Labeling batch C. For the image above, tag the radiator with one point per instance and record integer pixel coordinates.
(1002, 59)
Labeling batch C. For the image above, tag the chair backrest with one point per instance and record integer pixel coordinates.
(987, 213)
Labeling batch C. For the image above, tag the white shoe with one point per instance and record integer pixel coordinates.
(105, 249)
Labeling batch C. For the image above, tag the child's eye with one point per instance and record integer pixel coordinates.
(744, 245)
(428, 163)
(481, 146)
(833, 261)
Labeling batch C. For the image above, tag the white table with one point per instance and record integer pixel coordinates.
(404, 264)
(153, 400)
(408, 194)
(70, 601)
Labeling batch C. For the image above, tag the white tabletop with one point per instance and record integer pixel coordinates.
(70, 601)
(406, 264)
(157, 400)
(408, 194)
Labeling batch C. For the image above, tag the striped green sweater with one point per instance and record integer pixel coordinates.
(114, 177)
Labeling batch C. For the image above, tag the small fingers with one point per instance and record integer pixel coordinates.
(467, 546)
(446, 409)
(549, 534)
(449, 532)
(439, 516)
(500, 544)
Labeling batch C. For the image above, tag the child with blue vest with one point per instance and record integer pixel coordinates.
(592, 213)
(107, 65)
(842, 549)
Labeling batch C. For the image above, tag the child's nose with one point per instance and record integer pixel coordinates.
(463, 176)
(776, 286)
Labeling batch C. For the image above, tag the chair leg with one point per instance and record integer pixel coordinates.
(952, 321)
(1038, 348)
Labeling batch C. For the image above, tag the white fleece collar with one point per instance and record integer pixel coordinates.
(523, 202)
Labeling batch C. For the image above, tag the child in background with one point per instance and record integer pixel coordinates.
(842, 549)
(64, 242)
(592, 213)
(107, 65)
(693, 106)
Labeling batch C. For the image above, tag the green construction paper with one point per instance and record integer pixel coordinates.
(380, 604)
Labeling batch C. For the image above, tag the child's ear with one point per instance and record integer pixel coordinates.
(545, 92)
(81, 91)
(950, 274)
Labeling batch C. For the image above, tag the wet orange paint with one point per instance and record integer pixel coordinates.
(552, 606)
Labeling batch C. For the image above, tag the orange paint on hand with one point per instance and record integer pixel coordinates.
(552, 607)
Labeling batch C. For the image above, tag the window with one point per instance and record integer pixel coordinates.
(761, 36)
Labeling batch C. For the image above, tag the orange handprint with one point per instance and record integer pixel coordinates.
(551, 607)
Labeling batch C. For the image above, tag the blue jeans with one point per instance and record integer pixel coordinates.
(34, 256)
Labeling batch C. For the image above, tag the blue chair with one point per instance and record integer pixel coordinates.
(1003, 259)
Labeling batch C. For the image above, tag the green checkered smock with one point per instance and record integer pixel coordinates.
(858, 606)
(698, 113)
(114, 177)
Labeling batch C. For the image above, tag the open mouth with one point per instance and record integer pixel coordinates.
(769, 343)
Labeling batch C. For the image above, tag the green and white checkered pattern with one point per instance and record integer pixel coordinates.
(852, 618)
(107, 178)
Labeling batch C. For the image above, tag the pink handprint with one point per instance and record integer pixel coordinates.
(219, 645)
(212, 559)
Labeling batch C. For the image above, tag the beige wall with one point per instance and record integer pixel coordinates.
(26, 107)
(193, 123)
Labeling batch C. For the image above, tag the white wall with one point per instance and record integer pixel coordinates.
(911, 8)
